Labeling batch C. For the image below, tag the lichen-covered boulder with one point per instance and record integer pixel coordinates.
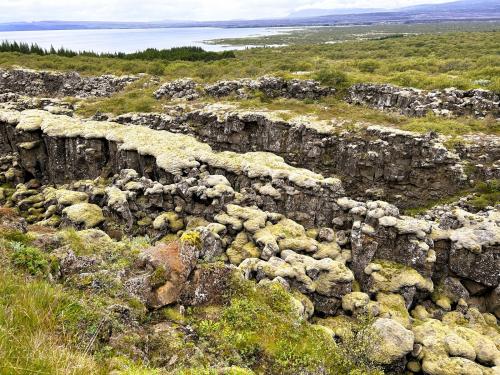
(242, 248)
(471, 245)
(469, 347)
(179, 89)
(383, 234)
(168, 221)
(358, 303)
(394, 341)
(386, 276)
(66, 197)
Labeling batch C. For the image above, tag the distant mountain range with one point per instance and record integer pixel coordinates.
(305, 13)
(475, 6)
(464, 10)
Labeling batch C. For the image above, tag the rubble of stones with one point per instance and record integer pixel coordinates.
(414, 102)
(47, 83)
(273, 87)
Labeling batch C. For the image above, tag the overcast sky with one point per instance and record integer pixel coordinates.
(154, 10)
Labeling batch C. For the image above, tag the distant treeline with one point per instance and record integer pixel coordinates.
(178, 53)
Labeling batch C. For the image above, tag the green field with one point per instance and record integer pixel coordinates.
(456, 59)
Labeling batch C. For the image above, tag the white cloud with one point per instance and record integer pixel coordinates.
(151, 10)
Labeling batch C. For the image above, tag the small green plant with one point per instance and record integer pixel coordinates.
(487, 194)
(10, 235)
(192, 238)
(29, 258)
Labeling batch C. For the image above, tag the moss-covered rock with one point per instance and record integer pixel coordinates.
(86, 214)
(451, 348)
(242, 248)
(393, 341)
(69, 197)
(168, 220)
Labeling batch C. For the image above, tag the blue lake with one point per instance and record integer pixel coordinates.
(132, 40)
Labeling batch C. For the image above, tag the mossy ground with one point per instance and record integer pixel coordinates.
(484, 194)
(260, 328)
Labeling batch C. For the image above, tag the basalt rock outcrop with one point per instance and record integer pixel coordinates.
(415, 102)
(373, 162)
(272, 87)
(46, 83)
(60, 148)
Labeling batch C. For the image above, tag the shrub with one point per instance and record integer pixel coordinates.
(368, 66)
(332, 78)
(29, 258)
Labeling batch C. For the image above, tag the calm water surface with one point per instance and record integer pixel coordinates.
(132, 40)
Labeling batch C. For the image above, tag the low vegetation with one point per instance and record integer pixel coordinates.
(429, 61)
(261, 326)
(135, 98)
(483, 194)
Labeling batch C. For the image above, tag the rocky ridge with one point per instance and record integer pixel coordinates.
(414, 102)
(273, 87)
(47, 83)
(372, 162)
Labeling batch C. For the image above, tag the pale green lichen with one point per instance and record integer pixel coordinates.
(449, 348)
(116, 197)
(393, 306)
(191, 238)
(68, 197)
(169, 220)
(475, 232)
(296, 266)
(389, 276)
(253, 219)
(90, 215)
(242, 248)
(173, 152)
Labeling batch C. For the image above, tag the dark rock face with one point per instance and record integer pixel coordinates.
(44, 83)
(377, 162)
(207, 285)
(414, 102)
